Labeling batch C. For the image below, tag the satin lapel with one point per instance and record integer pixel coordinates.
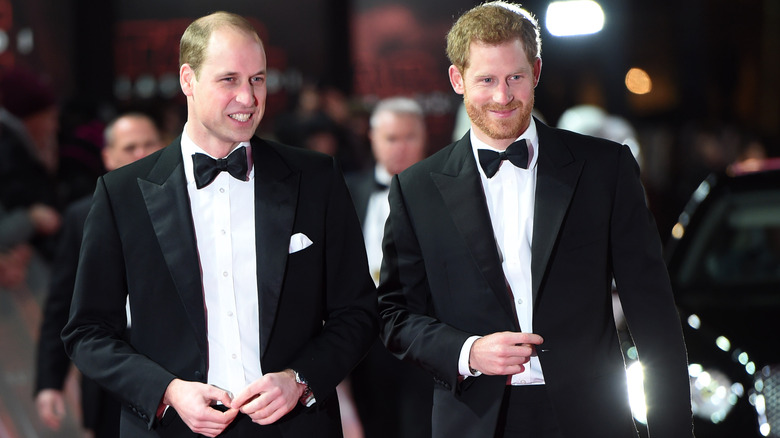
(461, 189)
(276, 195)
(556, 179)
(168, 204)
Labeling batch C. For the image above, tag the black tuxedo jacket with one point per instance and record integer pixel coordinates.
(317, 306)
(442, 282)
(361, 186)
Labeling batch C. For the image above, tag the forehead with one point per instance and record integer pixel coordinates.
(130, 129)
(485, 58)
(390, 121)
(228, 48)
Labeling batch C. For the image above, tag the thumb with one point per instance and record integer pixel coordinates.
(244, 396)
(218, 394)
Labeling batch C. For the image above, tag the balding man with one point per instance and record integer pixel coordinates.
(393, 399)
(248, 284)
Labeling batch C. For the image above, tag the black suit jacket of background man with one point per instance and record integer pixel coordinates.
(317, 306)
(442, 282)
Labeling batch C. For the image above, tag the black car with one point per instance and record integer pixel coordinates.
(724, 264)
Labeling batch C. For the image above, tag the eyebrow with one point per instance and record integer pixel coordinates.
(235, 73)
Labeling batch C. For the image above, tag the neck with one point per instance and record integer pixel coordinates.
(212, 146)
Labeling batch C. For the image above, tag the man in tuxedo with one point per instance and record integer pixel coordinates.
(242, 260)
(393, 398)
(497, 279)
(128, 138)
(398, 138)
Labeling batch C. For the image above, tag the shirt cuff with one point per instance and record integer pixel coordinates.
(161, 410)
(463, 362)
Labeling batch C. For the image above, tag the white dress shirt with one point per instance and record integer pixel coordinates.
(510, 199)
(224, 218)
(377, 210)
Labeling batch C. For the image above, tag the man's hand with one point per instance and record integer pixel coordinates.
(192, 402)
(504, 353)
(270, 397)
(45, 219)
(50, 405)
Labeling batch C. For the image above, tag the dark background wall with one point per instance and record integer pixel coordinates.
(714, 63)
(709, 58)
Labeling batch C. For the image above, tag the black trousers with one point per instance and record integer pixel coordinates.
(526, 412)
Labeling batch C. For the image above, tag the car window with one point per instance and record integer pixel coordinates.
(737, 242)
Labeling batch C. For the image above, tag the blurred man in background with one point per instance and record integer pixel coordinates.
(128, 138)
(393, 398)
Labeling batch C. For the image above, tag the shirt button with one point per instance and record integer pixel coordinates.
(233, 355)
(222, 232)
(221, 190)
(519, 301)
(225, 274)
(230, 314)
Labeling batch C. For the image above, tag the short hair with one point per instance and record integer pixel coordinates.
(195, 39)
(108, 132)
(493, 23)
(395, 105)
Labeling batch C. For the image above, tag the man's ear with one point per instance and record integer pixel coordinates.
(537, 71)
(186, 79)
(456, 80)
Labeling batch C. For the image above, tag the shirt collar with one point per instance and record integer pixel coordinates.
(530, 133)
(188, 147)
(382, 176)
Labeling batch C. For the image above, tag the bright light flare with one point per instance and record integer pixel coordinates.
(638, 81)
(635, 376)
(574, 17)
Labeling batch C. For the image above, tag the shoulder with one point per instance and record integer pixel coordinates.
(580, 145)
(142, 167)
(78, 209)
(295, 157)
(358, 180)
(437, 161)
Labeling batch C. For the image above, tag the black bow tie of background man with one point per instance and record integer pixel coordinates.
(516, 153)
(207, 168)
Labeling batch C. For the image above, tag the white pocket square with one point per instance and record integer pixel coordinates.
(298, 242)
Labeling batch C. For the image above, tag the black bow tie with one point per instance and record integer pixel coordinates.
(207, 168)
(516, 153)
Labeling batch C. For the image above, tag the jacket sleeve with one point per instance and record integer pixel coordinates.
(94, 334)
(648, 303)
(408, 328)
(348, 325)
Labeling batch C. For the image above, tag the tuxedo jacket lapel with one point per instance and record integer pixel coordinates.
(276, 197)
(461, 189)
(556, 178)
(168, 205)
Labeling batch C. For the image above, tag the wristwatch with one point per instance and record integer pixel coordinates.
(307, 398)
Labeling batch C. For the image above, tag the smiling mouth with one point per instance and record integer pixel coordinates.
(243, 117)
(503, 109)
